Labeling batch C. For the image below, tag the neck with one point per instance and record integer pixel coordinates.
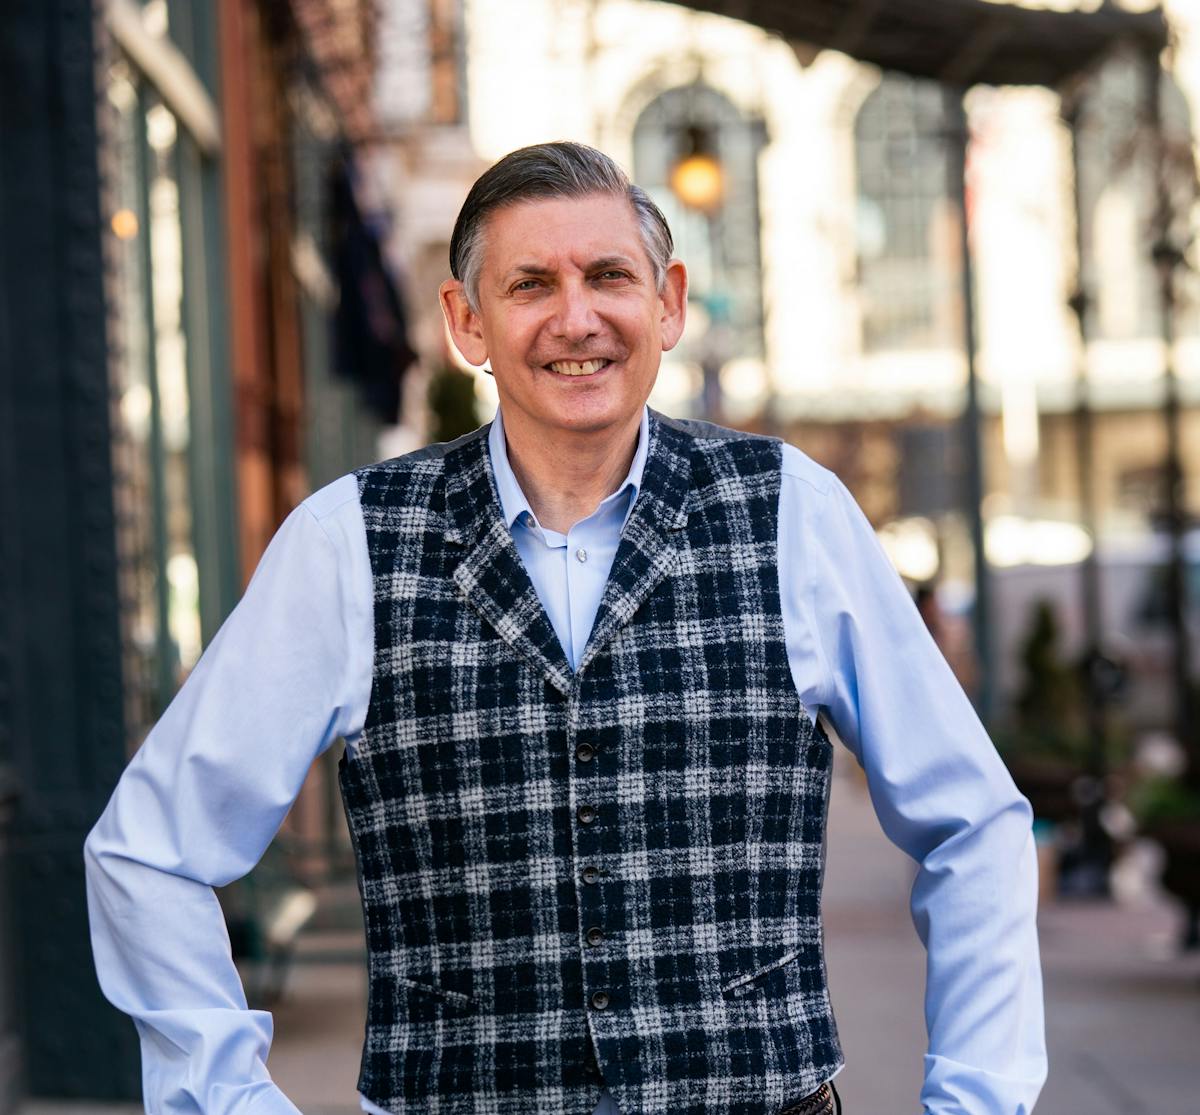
(566, 474)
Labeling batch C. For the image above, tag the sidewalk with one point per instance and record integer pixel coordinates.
(1123, 1010)
(1122, 1007)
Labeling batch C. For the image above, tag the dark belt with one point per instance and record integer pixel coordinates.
(824, 1101)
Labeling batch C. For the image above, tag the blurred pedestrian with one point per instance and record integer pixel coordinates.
(930, 611)
(584, 660)
(949, 633)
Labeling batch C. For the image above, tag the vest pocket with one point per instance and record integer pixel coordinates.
(769, 979)
(782, 1005)
(425, 1001)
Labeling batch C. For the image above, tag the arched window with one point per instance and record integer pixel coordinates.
(721, 250)
(1116, 200)
(902, 210)
(1118, 197)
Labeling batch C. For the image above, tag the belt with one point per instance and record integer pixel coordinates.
(824, 1101)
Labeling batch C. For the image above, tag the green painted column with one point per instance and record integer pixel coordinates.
(62, 738)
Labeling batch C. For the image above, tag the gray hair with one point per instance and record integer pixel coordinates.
(549, 170)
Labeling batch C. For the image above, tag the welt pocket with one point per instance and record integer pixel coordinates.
(457, 998)
(750, 982)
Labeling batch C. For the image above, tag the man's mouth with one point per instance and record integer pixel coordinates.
(578, 368)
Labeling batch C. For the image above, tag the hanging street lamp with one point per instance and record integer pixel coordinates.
(698, 179)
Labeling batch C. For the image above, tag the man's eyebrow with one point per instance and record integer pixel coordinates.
(611, 261)
(529, 269)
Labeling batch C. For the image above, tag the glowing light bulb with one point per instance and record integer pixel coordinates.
(125, 224)
(699, 182)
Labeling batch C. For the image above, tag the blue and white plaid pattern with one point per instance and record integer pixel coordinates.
(618, 865)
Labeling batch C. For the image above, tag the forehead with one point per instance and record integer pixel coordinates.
(562, 232)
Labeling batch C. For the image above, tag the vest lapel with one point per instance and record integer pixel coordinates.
(647, 551)
(491, 575)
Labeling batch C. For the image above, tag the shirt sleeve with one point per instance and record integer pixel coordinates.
(863, 657)
(288, 672)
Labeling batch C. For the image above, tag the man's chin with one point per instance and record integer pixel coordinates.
(590, 422)
(572, 413)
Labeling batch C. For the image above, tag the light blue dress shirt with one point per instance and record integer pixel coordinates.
(290, 672)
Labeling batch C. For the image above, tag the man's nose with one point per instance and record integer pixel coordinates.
(575, 317)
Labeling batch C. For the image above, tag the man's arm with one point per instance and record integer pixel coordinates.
(941, 793)
(288, 672)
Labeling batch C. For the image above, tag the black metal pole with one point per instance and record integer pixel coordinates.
(957, 139)
(1167, 258)
(1097, 848)
(714, 354)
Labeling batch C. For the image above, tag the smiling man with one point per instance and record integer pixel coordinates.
(573, 314)
(584, 660)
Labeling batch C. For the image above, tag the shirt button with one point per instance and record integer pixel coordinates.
(586, 814)
(600, 1000)
(581, 554)
(585, 753)
(591, 876)
(595, 936)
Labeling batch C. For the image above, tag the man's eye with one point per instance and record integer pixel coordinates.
(525, 285)
(610, 276)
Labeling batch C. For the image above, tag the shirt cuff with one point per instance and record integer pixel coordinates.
(952, 1088)
(267, 1099)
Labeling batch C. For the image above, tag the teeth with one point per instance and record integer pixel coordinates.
(571, 368)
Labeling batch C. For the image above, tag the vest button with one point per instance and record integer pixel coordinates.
(585, 753)
(595, 936)
(600, 1000)
(591, 875)
(586, 814)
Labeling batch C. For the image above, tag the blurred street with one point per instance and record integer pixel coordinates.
(950, 251)
(1123, 1013)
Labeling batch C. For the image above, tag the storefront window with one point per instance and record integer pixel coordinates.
(152, 412)
(170, 349)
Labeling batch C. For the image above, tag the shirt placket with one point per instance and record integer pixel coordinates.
(577, 576)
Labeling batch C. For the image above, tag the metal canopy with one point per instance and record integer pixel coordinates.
(959, 42)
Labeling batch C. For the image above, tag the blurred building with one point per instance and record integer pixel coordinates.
(423, 163)
(827, 275)
(199, 322)
(206, 214)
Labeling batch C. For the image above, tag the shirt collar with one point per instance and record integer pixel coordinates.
(512, 500)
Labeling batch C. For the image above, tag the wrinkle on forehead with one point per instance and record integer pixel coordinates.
(595, 233)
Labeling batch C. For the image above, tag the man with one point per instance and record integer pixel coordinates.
(581, 659)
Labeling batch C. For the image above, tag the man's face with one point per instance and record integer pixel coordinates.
(569, 316)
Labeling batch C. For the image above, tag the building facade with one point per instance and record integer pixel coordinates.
(830, 272)
(198, 322)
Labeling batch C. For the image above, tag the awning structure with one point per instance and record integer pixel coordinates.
(958, 42)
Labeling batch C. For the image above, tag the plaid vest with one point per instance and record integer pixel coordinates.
(613, 872)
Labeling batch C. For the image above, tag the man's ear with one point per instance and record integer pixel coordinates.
(674, 303)
(463, 322)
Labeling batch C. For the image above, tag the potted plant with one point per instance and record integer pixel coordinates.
(1044, 747)
(451, 401)
(1168, 812)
